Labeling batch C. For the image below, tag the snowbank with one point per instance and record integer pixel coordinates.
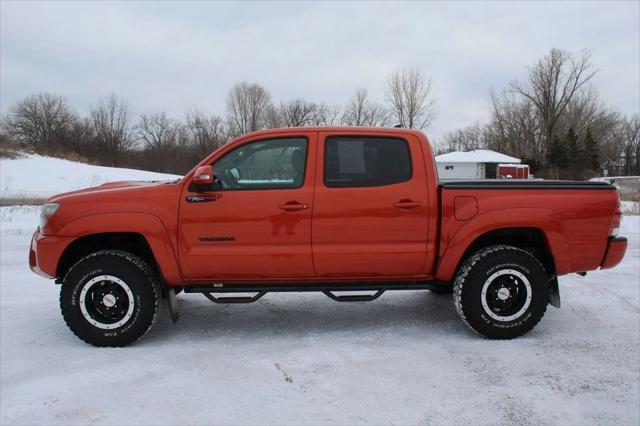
(630, 208)
(35, 176)
(302, 359)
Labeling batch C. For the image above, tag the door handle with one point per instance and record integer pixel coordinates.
(406, 204)
(293, 206)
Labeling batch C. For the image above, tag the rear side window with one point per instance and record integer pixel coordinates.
(365, 161)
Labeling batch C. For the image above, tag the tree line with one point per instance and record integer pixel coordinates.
(47, 123)
(554, 120)
(557, 123)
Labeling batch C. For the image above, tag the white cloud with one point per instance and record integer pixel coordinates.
(171, 56)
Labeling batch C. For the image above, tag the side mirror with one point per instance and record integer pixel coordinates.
(203, 175)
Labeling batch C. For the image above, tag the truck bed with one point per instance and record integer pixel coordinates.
(573, 218)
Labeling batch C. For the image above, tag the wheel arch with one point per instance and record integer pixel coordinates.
(81, 247)
(139, 233)
(529, 239)
(540, 232)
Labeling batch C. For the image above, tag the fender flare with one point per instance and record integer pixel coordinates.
(542, 219)
(148, 225)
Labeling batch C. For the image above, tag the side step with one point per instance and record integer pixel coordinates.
(354, 297)
(329, 294)
(330, 290)
(233, 299)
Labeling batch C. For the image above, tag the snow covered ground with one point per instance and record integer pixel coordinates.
(304, 359)
(35, 176)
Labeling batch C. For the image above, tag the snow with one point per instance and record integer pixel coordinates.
(475, 156)
(630, 208)
(303, 359)
(35, 176)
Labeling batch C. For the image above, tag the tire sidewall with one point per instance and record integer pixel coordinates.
(133, 275)
(471, 295)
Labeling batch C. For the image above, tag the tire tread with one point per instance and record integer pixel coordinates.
(138, 263)
(466, 267)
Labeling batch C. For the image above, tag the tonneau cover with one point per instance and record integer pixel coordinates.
(524, 184)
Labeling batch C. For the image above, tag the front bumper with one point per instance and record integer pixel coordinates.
(45, 253)
(616, 248)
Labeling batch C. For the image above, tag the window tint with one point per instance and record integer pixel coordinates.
(268, 164)
(365, 161)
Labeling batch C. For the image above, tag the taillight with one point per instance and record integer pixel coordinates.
(617, 219)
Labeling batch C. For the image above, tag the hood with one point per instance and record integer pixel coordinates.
(156, 198)
(108, 187)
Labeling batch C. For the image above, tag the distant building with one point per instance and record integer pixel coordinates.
(479, 164)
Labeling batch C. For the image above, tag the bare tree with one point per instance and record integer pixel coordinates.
(326, 115)
(467, 139)
(113, 133)
(409, 94)
(377, 115)
(629, 145)
(552, 84)
(205, 133)
(354, 113)
(158, 131)
(79, 139)
(361, 111)
(514, 127)
(40, 120)
(247, 107)
(297, 113)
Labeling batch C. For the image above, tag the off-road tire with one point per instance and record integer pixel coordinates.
(141, 282)
(475, 274)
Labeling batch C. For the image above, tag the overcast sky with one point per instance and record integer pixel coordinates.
(173, 56)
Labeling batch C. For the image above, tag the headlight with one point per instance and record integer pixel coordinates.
(48, 210)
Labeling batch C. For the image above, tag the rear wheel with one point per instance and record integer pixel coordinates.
(110, 298)
(501, 292)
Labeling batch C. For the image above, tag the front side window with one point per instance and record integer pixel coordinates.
(267, 164)
(365, 161)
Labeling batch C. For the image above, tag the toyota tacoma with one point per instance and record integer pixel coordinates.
(351, 212)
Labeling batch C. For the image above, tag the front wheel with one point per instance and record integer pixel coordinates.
(501, 292)
(110, 298)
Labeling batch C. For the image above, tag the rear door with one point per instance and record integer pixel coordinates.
(255, 222)
(370, 210)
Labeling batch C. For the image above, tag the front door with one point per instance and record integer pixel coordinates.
(255, 222)
(370, 212)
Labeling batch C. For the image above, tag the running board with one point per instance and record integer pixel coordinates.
(233, 299)
(331, 290)
(354, 297)
(310, 287)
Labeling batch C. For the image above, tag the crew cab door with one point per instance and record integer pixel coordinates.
(370, 211)
(254, 222)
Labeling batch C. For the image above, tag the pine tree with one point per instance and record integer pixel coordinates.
(557, 156)
(592, 152)
(575, 155)
(574, 149)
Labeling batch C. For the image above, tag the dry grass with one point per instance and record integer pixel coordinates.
(10, 153)
(24, 201)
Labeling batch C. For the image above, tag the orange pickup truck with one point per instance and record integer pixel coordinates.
(338, 210)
